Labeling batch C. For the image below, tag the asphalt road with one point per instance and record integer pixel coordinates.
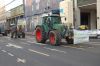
(26, 52)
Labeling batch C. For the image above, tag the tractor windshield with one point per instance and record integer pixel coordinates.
(56, 19)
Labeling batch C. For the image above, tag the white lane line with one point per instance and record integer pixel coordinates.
(7, 37)
(80, 48)
(3, 51)
(13, 45)
(93, 42)
(22, 39)
(73, 47)
(25, 43)
(96, 44)
(38, 52)
(2, 41)
(90, 47)
(36, 43)
(21, 60)
(10, 54)
(69, 47)
(32, 38)
(30, 42)
(55, 50)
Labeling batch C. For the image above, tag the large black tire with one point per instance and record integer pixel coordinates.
(19, 36)
(69, 41)
(12, 34)
(3, 34)
(40, 35)
(23, 35)
(55, 38)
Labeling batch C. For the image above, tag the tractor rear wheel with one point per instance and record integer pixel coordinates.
(55, 38)
(40, 35)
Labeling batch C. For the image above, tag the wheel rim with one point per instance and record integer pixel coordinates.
(38, 35)
(52, 39)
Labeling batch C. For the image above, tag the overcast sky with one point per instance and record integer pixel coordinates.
(12, 5)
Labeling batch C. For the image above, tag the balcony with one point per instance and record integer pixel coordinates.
(86, 2)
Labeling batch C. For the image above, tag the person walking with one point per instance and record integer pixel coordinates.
(13, 31)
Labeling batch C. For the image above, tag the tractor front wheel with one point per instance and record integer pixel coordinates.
(40, 35)
(55, 38)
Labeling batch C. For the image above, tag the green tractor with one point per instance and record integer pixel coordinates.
(53, 29)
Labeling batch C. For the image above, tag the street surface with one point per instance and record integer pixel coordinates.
(26, 52)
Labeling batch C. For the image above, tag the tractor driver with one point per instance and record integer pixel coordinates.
(49, 22)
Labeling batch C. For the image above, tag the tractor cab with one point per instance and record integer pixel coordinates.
(51, 21)
(54, 19)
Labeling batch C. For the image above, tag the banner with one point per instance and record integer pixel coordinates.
(81, 36)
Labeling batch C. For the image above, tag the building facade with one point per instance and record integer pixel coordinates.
(86, 13)
(15, 14)
(35, 9)
(11, 12)
(2, 12)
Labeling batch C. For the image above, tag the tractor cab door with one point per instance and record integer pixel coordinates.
(56, 19)
(47, 21)
(50, 22)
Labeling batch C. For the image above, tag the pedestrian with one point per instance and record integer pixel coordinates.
(13, 31)
(21, 31)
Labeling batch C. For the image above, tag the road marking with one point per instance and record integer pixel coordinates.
(55, 50)
(21, 60)
(3, 51)
(73, 47)
(80, 48)
(30, 42)
(25, 43)
(69, 47)
(2, 41)
(90, 47)
(93, 43)
(22, 39)
(35, 43)
(38, 52)
(97, 44)
(7, 37)
(10, 54)
(13, 45)
(29, 37)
